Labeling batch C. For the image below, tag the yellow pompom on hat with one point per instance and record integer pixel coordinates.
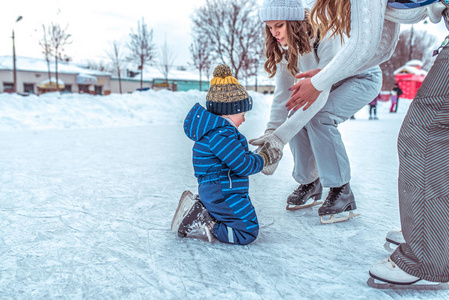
(226, 95)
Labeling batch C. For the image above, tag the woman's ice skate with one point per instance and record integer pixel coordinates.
(386, 274)
(338, 205)
(305, 192)
(393, 239)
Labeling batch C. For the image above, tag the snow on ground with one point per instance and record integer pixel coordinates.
(89, 185)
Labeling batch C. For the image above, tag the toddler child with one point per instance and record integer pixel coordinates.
(222, 163)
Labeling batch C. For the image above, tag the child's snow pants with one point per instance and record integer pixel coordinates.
(236, 217)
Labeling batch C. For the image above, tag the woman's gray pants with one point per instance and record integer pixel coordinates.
(318, 149)
(423, 147)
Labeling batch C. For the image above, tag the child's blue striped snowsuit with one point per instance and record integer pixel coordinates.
(222, 163)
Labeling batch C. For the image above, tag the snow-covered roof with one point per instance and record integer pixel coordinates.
(150, 73)
(40, 65)
(410, 70)
(84, 78)
(414, 62)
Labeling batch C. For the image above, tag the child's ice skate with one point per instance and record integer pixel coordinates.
(185, 204)
(338, 205)
(305, 192)
(387, 275)
(393, 239)
(192, 219)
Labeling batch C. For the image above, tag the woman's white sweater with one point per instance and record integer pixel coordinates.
(373, 38)
(286, 129)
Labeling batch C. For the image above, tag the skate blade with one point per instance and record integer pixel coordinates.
(390, 247)
(298, 207)
(185, 203)
(333, 219)
(414, 286)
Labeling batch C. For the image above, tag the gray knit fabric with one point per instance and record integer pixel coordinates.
(282, 10)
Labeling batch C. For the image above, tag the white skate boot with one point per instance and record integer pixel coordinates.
(390, 276)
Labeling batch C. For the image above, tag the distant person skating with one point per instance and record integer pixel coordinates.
(373, 108)
(396, 92)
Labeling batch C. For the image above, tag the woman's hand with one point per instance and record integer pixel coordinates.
(304, 93)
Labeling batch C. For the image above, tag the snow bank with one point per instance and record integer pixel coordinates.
(59, 111)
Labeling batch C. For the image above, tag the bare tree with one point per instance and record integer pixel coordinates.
(46, 50)
(59, 38)
(167, 57)
(117, 60)
(200, 54)
(233, 29)
(142, 48)
(419, 45)
(249, 68)
(54, 46)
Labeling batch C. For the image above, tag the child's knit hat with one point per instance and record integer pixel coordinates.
(282, 10)
(226, 96)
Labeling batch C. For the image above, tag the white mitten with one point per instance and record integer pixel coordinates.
(270, 155)
(260, 140)
(272, 148)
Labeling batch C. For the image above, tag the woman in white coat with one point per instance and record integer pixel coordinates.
(320, 157)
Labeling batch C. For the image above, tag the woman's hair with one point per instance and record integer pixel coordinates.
(299, 34)
(331, 16)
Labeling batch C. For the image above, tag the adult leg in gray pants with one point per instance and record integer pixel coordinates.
(423, 147)
(318, 149)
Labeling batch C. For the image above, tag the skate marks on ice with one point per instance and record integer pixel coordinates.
(96, 225)
(200, 270)
(420, 285)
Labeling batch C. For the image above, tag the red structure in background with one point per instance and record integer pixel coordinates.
(410, 77)
(385, 96)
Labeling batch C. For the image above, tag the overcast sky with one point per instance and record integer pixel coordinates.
(94, 24)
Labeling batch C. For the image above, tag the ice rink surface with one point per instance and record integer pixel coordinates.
(85, 213)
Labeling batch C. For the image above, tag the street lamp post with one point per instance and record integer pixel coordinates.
(257, 67)
(14, 57)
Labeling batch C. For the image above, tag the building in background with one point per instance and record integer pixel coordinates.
(33, 78)
(410, 77)
(177, 80)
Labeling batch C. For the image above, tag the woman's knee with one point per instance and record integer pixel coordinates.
(323, 119)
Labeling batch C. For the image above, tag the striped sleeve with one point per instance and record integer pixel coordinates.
(226, 146)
